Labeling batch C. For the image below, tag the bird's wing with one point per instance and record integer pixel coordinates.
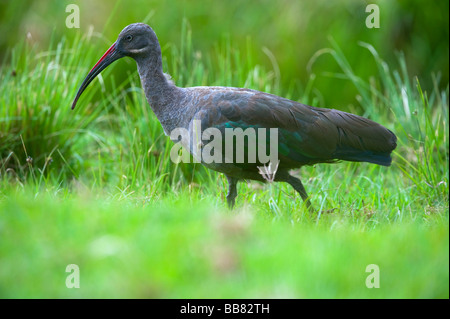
(306, 134)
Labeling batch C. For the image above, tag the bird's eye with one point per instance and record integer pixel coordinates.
(129, 38)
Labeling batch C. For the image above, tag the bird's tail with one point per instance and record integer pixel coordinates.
(362, 140)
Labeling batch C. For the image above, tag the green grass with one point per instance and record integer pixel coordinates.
(95, 187)
(168, 249)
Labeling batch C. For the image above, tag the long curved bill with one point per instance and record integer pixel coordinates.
(109, 57)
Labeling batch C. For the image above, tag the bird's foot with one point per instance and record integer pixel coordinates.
(329, 211)
(316, 212)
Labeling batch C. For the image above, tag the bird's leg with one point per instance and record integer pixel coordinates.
(232, 191)
(298, 186)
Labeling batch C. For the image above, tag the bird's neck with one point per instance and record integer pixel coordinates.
(161, 93)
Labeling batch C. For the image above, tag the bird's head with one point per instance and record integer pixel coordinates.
(136, 40)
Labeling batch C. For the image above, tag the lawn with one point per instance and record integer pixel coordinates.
(95, 187)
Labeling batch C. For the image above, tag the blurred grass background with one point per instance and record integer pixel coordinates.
(95, 186)
(293, 31)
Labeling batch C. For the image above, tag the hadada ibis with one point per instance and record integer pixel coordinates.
(306, 135)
